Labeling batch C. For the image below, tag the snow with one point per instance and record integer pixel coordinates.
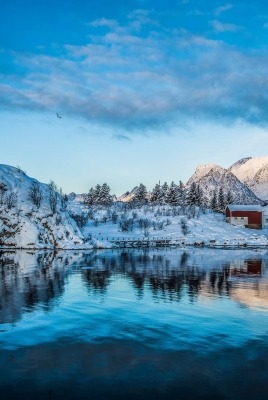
(205, 169)
(204, 228)
(244, 207)
(253, 172)
(26, 226)
(212, 177)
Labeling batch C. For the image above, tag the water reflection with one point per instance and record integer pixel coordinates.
(167, 276)
(137, 324)
(28, 280)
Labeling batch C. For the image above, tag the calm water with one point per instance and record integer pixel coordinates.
(167, 324)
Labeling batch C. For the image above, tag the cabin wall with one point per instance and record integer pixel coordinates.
(250, 219)
(254, 217)
(239, 221)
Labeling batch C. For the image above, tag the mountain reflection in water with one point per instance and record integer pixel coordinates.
(136, 323)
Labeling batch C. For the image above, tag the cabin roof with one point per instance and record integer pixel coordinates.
(245, 207)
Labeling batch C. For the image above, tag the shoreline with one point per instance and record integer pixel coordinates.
(143, 246)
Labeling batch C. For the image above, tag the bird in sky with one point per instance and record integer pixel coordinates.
(58, 116)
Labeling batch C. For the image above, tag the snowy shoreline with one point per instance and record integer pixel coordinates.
(144, 245)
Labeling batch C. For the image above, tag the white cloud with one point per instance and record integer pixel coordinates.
(108, 23)
(223, 8)
(142, 83)
(224, 27)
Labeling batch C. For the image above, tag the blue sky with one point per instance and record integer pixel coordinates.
(146, 89)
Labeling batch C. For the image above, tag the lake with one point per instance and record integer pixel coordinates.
(134, 324)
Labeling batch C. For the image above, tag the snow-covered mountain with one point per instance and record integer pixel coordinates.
(253, 171)
(128, 196)
(211, 177)
(23, 224)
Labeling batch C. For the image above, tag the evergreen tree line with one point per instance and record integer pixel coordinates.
(174, 195)
(219, 200)
(100, 195)
(179, 195)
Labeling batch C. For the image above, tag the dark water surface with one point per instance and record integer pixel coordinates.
(139, 324)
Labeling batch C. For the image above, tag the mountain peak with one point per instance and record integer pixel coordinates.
(207, 167)
(212, 177)
(128, 196)
(238, 163)
(253, 171)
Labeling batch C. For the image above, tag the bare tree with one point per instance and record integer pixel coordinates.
(184, 227)
(11, 200)
(53, 196)
(63, 198)
(3, 190)
(35, 194)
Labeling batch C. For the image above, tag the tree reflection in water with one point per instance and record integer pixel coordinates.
(30, 280)
(166, 275)
(175, 341)
(27, 282)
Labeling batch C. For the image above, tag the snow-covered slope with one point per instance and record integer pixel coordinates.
(203, 228)
(212, 177)
(253, 171)
(23, 224)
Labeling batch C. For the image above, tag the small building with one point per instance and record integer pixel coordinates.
(251, 216)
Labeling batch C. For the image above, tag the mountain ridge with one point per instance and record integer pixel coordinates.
(253, 171)
(212, 177)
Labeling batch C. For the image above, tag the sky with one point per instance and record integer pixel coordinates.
(147, 90)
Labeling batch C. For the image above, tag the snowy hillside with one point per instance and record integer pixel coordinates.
(211, 177)
(32, 215)
(253, 171)
(188, 224)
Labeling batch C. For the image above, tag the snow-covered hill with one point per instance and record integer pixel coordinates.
(211, 177)
(253, 171)
(23, 224)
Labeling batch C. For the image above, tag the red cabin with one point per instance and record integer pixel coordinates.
(250, 216)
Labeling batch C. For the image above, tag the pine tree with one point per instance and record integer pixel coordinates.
(97, 194)
(164, 192)
(181, 194)
(172, 195)
(192, 195)
(214, 202)
(199, 196)
(221, 200)
(141, 195)
(229, 198)
(89, 198)
(156, 195)
(105, 198)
